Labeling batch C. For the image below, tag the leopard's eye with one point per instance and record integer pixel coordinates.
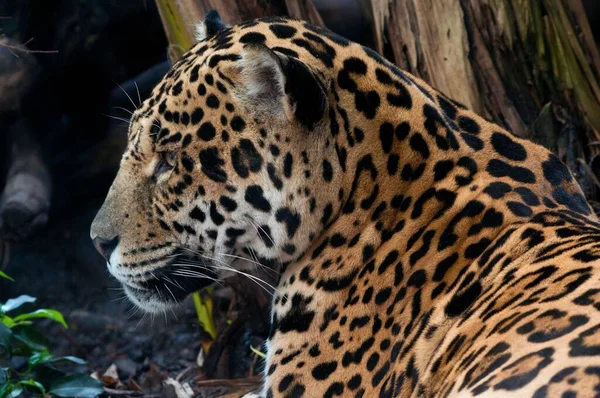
(165, 163)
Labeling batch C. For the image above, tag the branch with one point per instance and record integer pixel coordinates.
(22, 47)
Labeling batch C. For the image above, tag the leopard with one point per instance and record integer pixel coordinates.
(420, 249)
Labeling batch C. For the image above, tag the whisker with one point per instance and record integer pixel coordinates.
(169, 289)
(122, 89)
(227, 267)
(124, 109)
(232, 256)
(138, 93)
(117, 118)
(140, 321)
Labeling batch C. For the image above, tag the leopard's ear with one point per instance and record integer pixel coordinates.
(211, 25)
(277, 86)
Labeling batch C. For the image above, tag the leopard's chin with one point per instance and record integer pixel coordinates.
(165, 288)
(149, 301)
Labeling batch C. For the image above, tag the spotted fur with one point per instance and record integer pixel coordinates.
(422, 250)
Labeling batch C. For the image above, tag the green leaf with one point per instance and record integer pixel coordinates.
(4, 389)
(34, 384)
(3, 275)
(15, 303)
(46, 374)
(45, 357)
(76, 360)
(10, 391)
(39, 357)
(44, 313)
(6, 336)
(31, 338)
(76, 386)
(6, 321)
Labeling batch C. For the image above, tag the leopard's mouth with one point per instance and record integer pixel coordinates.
(165, 287)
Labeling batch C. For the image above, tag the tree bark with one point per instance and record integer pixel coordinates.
(530, 65)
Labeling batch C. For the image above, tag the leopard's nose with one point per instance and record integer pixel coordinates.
(105, 246)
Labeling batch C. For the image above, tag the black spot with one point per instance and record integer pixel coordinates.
(402, 99)
(337, 240)
(290, 218)
(245, 158)
(255, 196)
(521, 375)
(197, 115)
(177, 88)
(285, 383)
(499, 168)
(327, 171)
(528, 196)
(386, 136)
(461, 301)
(194, 73)
(548, 329)
(287, 165)
(228, 203)
(354, 382)
(367, 103)
(402, 131)
(519, 209)
(392, 164)
(449, 109)
(212, 164)
(497, 190)
(327, 211)
(206, 131)
(355, 65)
(367, 253)
(441, 169)
(274, 177)
(321, 51)
(383, 295)
(418, 144)
(507, 147)
(215, 216)
(212, 101)
(283, 31)
(586, 345)
(253, 37)
(469, 125)
(298, 318)
(474, 142)
(443, 266)
(237, 124)
(555, 171)
(197, 214)
(323, 370)
(575, 201)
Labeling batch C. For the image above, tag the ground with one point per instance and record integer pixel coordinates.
(61, 268)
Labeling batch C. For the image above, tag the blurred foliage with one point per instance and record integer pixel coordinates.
(26, 364)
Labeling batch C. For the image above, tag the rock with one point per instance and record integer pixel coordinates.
(127, 367)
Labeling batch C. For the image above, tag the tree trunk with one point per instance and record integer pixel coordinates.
(530, 65)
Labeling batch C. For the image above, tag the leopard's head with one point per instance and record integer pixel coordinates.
(228, 164)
